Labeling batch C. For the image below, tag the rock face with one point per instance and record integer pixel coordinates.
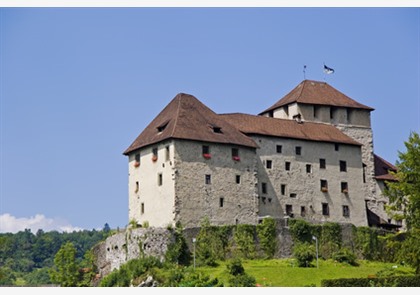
(133, 243)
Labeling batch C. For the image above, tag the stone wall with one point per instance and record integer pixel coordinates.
(218, 188)
(302, 188)
(135, 243)
(130, 244)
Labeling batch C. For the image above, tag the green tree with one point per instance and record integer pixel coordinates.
(66, 270)
(404, 194)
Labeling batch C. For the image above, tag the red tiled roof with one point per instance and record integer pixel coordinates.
(185, 117)
(382, 169)
(319, 93)
(250, 124)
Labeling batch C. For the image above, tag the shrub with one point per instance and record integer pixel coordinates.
(244, 240)
(399, 281)
(346, 256)
(267, 236)
(237, 275)
(300, 230)
(304, 254)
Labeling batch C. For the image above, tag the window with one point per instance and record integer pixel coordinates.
(344, 187)
(221, 202)
(137, 157)
(160, 179)
(269, 164)
(206, 149)
(162, 127)
(325, 209)
(137, 186)
(142, 208)
(293, 195)
(302, 211)
(343, 166)
(332, 111)
(238, 179)
(155, 154)
(283, 189)
(324, 185)
(346, 211)
(289, 210)
(279, 148)
(206, 152)
(308, 168)
(208, 179)
(287, 166)
(264, 188)
(322, 164)
(298, 150)
(217, 129)
(349, 111)
(167, 153)
(235, 154)
(336, 147)
(286, 110)
(364, 173)
(316, 111)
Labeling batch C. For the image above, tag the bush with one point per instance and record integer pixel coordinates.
(399, 281)
(304, 254)
(267, 236)
(237, 275)
(346, 256)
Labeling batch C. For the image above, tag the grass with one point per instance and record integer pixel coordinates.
(285, 273)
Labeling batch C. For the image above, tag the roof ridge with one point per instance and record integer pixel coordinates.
(179, 96)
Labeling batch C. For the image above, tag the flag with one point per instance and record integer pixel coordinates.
(328, 70)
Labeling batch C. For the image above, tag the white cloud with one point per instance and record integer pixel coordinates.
(12, 224)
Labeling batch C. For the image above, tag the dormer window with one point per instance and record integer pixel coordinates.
(162, 127)
(217, 129)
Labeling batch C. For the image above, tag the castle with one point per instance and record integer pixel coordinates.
(310, 156)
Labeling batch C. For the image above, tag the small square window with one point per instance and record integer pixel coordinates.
(137, 157)
(287, 166)
(167, 153)
(269, 164)
(221, 202)
(298, 150)
(336, 147)
(238, 179)
(289, 210)
(322, 163)
(208, 179)
(308, 168)
(293, 195)
(283, 189)
(302, 211)
(206, 149)
(155, 154)
(279, 149)
(343, 166)
(344, 187)
(235, 154)
(324, 185)
(264, 187)
(346, 211)
(325, 209)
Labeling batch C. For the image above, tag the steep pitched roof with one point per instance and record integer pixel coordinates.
(185, 117)
(382, 169)
(319, 93)
(250, 124)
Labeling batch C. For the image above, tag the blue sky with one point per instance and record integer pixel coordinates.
(79, 84)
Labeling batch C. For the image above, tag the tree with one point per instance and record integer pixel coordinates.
(404, 194)
(66, 270)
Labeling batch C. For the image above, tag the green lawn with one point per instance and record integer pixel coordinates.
(284, 272)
